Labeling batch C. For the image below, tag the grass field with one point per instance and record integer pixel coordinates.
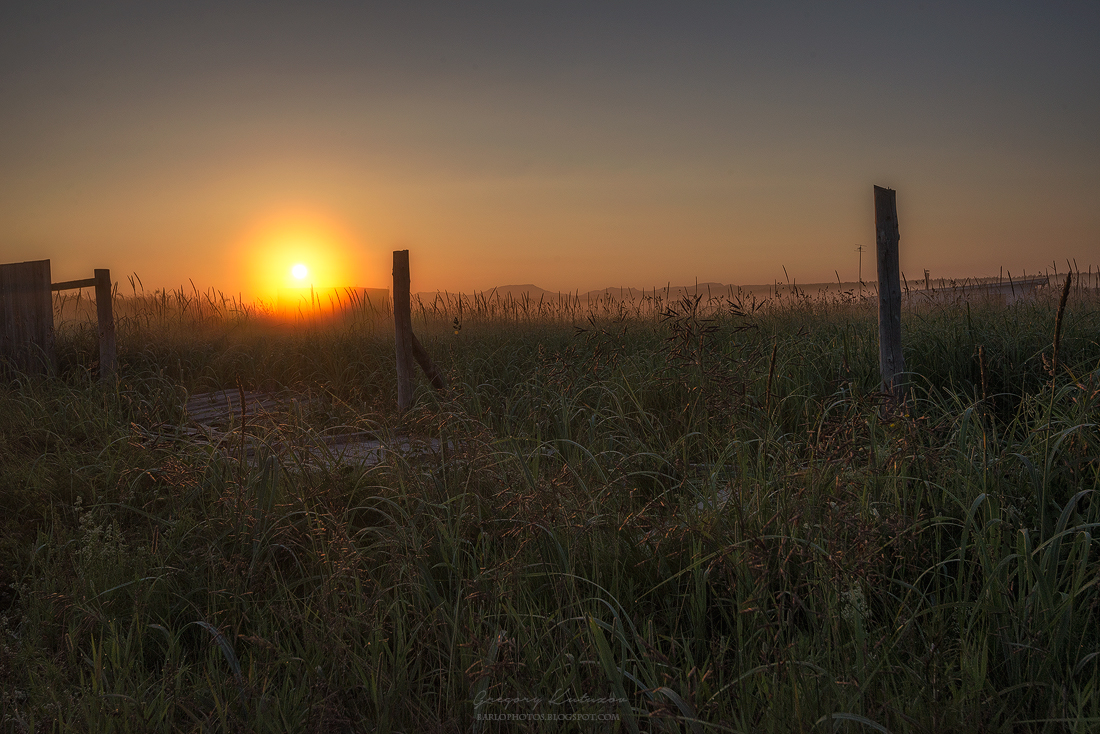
(668, 516)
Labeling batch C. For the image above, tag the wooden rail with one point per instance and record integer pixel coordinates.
(69, 285)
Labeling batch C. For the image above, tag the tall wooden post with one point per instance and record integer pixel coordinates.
(402, 324)
(890, 359)
(104, 309)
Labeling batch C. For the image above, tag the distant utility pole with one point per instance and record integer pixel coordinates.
(859, 249)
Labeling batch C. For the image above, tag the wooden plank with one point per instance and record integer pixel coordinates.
(433, 373)
(43, 316)
(69, 285)
(891, 360)
(10, 335)
(402, 323)
(104, 309)
(26, 317)
(223, 406)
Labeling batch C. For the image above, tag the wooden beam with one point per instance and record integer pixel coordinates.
(69, 285)
(433, 373)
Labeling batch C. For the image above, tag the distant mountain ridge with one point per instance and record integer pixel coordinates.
(707, 289)
(712, 289)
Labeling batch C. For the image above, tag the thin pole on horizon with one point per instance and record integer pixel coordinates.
(859, 249)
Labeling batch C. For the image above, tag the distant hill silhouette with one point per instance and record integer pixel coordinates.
(939, 289)
(667, 292)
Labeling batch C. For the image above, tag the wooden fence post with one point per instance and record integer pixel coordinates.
(407, 345)
(104, 309)
(402, 324)
(890, 359)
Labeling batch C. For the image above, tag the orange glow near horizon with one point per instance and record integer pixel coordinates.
(297, 250)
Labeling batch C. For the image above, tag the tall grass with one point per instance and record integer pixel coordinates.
(675, 514)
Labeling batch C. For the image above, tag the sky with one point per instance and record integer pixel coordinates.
(570, 145)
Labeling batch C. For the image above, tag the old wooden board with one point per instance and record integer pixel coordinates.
(215, 418)
(26, 317)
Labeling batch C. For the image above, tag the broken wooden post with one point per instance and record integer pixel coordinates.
(402, 324)
(890, 358)
(26, 317)
(104, 309)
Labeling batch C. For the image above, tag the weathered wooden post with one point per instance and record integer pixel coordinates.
(26, 317)
(408, 346)
(105, 316)
(402, 324)
(104, 309)
(890, 359)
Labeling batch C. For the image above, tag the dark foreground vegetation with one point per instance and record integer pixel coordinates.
(674, 516)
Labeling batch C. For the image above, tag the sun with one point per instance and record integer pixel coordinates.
(297, 250)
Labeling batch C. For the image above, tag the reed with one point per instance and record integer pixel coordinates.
(677, 514)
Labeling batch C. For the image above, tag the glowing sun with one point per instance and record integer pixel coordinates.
(295, 250)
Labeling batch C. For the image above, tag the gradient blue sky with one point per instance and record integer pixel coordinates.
(570, 145)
